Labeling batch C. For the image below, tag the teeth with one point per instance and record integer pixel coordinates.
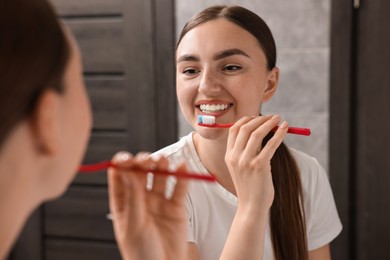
(213, 107)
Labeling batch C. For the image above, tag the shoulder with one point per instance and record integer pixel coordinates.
(322, 221)
(174, 148)
(310, 169)
(304, 161)
(177, 152)
(313, 176)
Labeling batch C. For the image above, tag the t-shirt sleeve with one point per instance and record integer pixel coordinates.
(190, 220)
(324, 224)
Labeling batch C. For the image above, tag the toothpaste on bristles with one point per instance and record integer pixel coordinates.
(209, 121)
(206, 120)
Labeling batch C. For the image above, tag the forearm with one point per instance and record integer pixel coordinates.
(246, 236)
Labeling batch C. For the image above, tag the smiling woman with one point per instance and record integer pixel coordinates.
(271, 201)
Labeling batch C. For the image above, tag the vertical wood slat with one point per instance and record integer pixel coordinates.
(373, 106)
(140, 72)
(340, 123)
(165, 66)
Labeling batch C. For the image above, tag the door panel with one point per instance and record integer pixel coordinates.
(372, 130)
(359, 143)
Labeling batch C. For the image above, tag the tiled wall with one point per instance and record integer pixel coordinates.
(301, 31)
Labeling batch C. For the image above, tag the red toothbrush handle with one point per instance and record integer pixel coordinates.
(89, 168)
(296, 130)
(291, 130)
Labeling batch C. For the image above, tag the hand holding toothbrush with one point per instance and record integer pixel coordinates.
(147, 224)
(249, 165)
(249, 162)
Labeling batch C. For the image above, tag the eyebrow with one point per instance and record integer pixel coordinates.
(220, 55)
(229, 52)
(188, 57)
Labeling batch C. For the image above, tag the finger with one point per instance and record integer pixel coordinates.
(179, 194)
(144, 162)
(117, 182)
(255, 140)
(246, 131)
(116, 191)
(160, 181)
(269, 149)
(234, 130)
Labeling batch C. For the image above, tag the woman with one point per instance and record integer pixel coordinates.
(270, 201)
(42, 99)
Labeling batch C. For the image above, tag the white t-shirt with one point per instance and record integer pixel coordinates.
(211, 208)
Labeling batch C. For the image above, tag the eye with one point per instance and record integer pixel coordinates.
(230, 68)
(190, 71)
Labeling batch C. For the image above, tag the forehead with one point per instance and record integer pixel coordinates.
(217, 35)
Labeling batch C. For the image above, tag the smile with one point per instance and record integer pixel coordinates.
(213, 107)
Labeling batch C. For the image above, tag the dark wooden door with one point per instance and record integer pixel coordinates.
(128, 56)
(359, 142)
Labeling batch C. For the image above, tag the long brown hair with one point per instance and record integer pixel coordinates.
(34, 53)
(287, 219)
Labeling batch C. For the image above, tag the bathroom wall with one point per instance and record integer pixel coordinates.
(301, 30)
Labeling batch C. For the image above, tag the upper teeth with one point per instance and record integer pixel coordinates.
(213, 107)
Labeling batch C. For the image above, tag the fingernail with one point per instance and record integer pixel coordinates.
(121, 156)
(275, 117)
(284, 125)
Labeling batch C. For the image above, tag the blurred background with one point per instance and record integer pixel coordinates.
(334, 60)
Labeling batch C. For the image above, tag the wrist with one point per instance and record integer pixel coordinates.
(252, 211)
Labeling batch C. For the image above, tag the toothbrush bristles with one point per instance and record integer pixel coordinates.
(206, 120)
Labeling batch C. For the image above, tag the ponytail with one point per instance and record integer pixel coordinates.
(287, 220)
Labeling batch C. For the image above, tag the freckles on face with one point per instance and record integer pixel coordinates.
(220, 63)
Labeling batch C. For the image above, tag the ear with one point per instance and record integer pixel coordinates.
(45, 122)
(272, 84)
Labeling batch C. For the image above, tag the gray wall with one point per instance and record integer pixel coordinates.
(301, 30)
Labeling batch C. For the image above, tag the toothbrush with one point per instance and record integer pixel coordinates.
(89, 168)
(209, 121)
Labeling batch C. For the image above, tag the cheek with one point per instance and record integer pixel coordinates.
(249, 101)
(85, 118)
(80, 117)
(185, 93)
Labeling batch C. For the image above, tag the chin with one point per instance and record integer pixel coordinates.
(58, 188)
(213, 133)
(58, 192)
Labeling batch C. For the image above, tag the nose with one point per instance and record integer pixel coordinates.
(209, 84)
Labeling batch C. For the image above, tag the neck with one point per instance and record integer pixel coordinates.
(212, 154)
(18, 187)
(16, 204)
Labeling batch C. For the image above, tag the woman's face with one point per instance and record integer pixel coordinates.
(75, 121)
(221, 71)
